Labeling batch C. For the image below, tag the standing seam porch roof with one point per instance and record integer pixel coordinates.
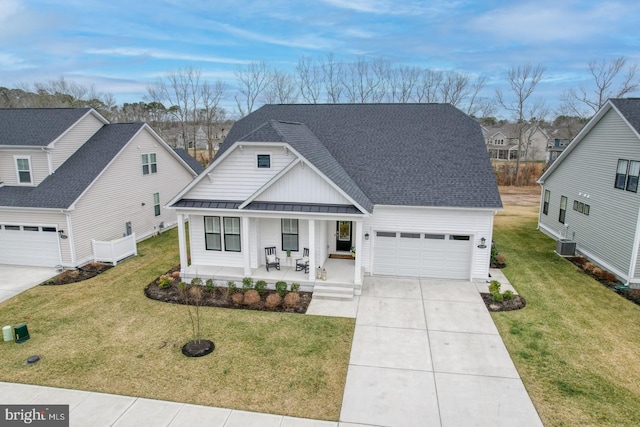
(387, 154)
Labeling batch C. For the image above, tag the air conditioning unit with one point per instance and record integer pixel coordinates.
(566, 247)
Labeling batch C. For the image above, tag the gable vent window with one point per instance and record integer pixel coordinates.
(149, 164)
(627, 175)
(264, 161)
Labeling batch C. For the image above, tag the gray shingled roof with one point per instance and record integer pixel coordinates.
(189, 160)
(61, 189)
(395, 154)
(630, 109)
(36, 126)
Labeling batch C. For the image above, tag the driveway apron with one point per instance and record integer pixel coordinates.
(426, 352)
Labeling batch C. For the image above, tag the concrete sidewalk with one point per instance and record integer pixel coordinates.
(425, 353)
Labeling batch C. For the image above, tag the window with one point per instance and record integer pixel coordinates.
(586, 210)
(290, 235)
(212, 238)
(30, 228)
(264, 160)
(627, 175)
(434, 236)
(409, 235)
(156, 204)
(457, 237)
(545, 205)
(563, 209)
(232, 234)
(12, 227)
(49, 229)
(149, 164)
(23, 166)
(385, 234)
(632, 176)
(621, 174)
(581, 207)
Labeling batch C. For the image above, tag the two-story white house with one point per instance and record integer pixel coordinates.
(68, 176)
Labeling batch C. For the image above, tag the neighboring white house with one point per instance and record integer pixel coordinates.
(68, 177)
(502, 143)
(408, 186)
(590, 193)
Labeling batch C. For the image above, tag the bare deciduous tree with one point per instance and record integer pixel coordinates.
(309, 80)
(253, 80)
(211, 115)
(282, 89)
(333, 73)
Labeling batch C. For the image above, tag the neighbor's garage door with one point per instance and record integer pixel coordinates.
(422, 255)
(29, 245)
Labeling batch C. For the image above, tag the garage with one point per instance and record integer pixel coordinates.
(35, 245)
(423, 254)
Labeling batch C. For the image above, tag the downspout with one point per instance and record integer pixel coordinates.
(49, 160)
(72, 245)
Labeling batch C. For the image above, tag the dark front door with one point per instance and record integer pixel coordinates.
(343, 236)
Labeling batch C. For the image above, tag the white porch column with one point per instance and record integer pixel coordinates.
(246, 250)
(312, 250)
(182, 242)
(358, 273)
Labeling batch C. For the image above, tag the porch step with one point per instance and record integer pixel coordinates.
(334, 291)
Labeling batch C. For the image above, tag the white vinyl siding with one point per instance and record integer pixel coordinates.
(302, 185)
(587, 175)
(68, 144)
(9, 171)
(201, 256)
(237, 177)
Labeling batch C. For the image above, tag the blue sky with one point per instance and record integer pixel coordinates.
(122, 46)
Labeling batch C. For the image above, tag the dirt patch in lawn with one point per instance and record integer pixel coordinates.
(516, 303)
(520, 196)
(78, 275)
(220, 297)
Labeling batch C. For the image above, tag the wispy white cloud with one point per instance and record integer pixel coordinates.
(158, 54)
(13, 63)
(391, 7)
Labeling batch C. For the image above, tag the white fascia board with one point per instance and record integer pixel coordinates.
(439, 208)
(268, 214)
(91, 111)
(31, 209)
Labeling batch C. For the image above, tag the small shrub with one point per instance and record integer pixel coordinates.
(494, 253)
(196, 281)
(508, 294)
(175, 274)
(211, 287)
(237, 298)
(497, 297)
(589, 266)
(597, 271)
(291, 299)
(165, 281)
(251, 297)
(609, 276)
(579, 260)
(273, 301)
(501, 259)
(73, 274)
(232, 288)
(261, 287)
(281, 288)
(247, 284)
(494, 287)
(295, 287)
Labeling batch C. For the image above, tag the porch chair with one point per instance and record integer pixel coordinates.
(271, 260)
(303, 263)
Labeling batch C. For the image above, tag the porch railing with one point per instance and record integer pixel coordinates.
(114, 250)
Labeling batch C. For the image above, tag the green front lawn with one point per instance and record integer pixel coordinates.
(105, 335)
(576, 344)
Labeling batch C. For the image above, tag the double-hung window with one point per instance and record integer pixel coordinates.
(156, 204)
(290, 235)
(149, 164)
(545, 205)
(212, 236)
(23, 166)
(563, 209)
(627, 175)
(632, 176)
(231, 234)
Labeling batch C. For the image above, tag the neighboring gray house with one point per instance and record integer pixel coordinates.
(68, 177)
(408, 186)
(590, 193)
(502, 142)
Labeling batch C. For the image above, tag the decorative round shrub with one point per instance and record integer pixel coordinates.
(609, 276)
(508, 294)
(291, 299)
(175, 274)
(237, 298)
(597, 271)
(251, 297)
(273, 301)
(497, 297)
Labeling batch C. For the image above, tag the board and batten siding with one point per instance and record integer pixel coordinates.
(588, 175)
(201, 256)
(41, 218)
(122, 194)
(8, 170)
(477, 223)
(80, 133)
(301, 184)
(237, 176)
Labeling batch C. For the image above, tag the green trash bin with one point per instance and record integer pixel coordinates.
(21, 333)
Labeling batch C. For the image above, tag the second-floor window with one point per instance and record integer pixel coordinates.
(23, 166)
(149, 164)
(545, 206)
(156, 204)
(563, 209)
(627, 175)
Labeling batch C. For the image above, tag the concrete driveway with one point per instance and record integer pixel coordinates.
(16, 278)
(427, 353)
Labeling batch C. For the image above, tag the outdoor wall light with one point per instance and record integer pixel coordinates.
(482, 243)
(61, 234)
(366, 236)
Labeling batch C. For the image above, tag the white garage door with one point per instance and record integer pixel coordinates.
(29, 245)
(422, 255)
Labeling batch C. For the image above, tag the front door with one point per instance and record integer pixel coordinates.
(343, 236)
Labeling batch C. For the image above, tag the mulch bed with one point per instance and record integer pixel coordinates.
(516, 303)
(74, 276)
(220, 298)
(632, 295)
